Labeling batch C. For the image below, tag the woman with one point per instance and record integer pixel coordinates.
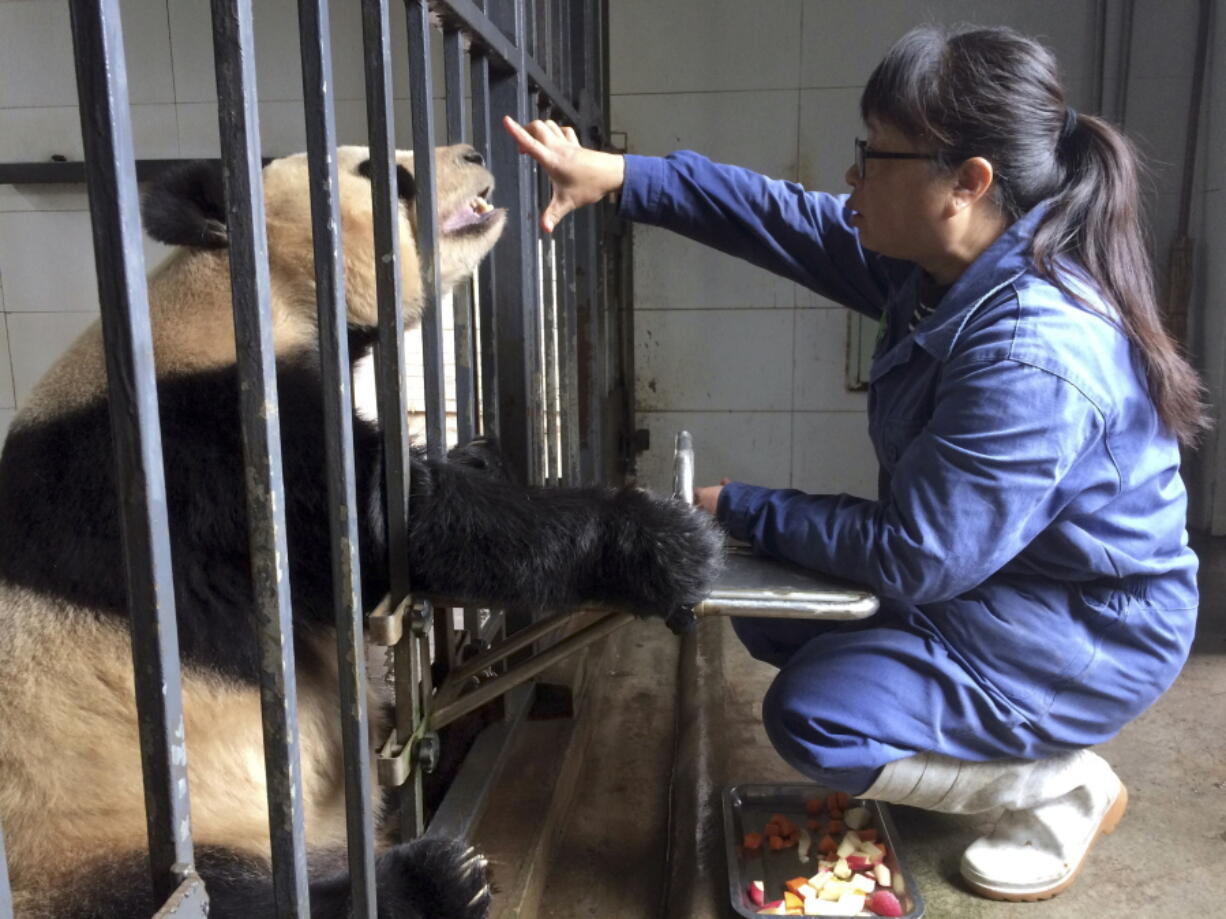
(1028, 541)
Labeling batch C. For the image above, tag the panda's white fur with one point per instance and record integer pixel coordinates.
(71, 799)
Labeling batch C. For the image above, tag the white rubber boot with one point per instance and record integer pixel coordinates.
(1055, 809)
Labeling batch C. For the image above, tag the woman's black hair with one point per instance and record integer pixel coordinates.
(995, 93)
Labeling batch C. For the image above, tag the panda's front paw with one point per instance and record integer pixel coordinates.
(662, 557)
(481, 455)
(433, 879)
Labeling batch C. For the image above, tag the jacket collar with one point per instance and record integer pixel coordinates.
(998, 265)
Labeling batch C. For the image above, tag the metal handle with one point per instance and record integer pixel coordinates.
(683, 468)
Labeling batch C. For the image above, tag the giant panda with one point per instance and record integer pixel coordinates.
(71, 800)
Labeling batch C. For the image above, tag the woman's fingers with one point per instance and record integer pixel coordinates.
(570, 134)
(528, 140)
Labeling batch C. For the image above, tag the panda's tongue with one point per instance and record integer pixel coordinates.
(466, 215)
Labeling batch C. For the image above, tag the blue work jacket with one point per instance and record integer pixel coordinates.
(1031, 511)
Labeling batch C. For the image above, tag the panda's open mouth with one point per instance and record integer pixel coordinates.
(469, 217)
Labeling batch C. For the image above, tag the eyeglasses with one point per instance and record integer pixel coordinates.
(864, 154)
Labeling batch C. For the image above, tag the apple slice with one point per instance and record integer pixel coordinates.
(882, 874)
(857, 818)
(757, 893)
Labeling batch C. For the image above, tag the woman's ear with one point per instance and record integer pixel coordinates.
(972, 179)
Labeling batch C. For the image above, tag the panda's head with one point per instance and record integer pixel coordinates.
(185, 207)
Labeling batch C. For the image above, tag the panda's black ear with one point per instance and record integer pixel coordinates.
(186, 206)
(406, 187)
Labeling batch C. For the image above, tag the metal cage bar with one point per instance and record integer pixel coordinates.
(6, 897)
(483, 128)
(250, 289)
(528, 350)
(106, 129)
(338, 435)
(421, 94)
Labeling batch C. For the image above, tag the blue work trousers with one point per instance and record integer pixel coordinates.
(851, 697)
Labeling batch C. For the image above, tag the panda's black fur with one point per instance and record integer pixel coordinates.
(77, 850)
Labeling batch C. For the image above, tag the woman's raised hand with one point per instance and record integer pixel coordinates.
(580, 176)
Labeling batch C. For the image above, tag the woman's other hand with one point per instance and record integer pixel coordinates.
(580, 176)
(707, 497)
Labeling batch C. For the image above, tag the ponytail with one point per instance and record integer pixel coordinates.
(996, 94)
(1095, 221)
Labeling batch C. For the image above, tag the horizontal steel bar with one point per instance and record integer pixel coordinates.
(521, 639)
(445, 714)
(72, 172)
(489, 40)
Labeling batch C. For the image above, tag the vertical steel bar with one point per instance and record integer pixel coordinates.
(6, 897)
(392, 385)
(479, 80)
(421, 95)
(233, 46)
(338, 436)
(106, 130)
(548, 323)
(462, 301)
(515, 261)
(392, 389)
(568, 346)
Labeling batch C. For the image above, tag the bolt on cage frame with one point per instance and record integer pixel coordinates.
(536, 306)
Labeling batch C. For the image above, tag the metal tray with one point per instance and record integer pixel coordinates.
(747, 808)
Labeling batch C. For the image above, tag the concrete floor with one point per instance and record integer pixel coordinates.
(673, 723)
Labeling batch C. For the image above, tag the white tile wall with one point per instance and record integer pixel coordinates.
(47, 262)
(828, 126)
(820, 356)
(43, 198)
(728, 127)
(713, 360)
(36, 340)
(37, 134)
(831, 454)
(36, 48)
(7, 399)
(745, 446)
(842, 40)
(278, 55)
(703, 45)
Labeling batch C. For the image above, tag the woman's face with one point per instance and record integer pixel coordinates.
(898, 205)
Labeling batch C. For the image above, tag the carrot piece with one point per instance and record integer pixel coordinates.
(832, 801)
(844, 799)
(836, 814)
(813, 806)
(775, 843)
(867, 835)
(813, 824)
(795, 884)
(827, 844)
(752, 841)
(786, 827)
(835, 826)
